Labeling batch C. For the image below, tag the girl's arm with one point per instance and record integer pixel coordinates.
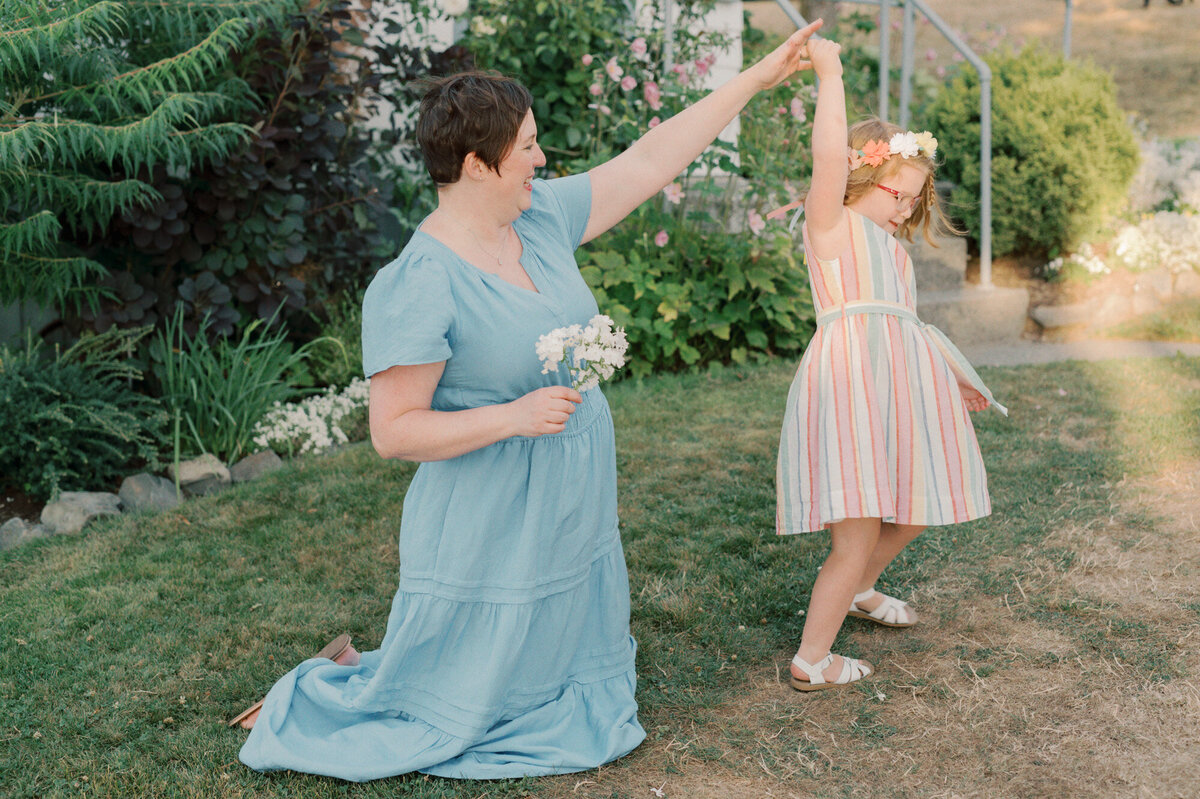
(824, 212)
(404, 426)
(654, 160)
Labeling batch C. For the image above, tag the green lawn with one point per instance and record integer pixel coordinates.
(126, 648)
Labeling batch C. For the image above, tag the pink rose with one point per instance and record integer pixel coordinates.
(931, 54)
(587, 59)
(661, 238)
(655, 122)
(614, 69)
(755, 221)
(674, 193)
(628, 82)
(595, 90)
(638, 47)
(652, 94)
(798, 112)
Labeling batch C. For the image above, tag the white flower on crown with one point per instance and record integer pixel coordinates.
(455, 8)
(905, 144)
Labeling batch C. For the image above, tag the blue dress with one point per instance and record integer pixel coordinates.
(507, 651)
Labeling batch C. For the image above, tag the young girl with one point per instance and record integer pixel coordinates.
(876, 442)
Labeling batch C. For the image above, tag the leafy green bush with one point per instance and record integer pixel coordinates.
(335, 359)
(560, 49)
(72, 421)
(688, 295)
(217, 388)
(1063, 152)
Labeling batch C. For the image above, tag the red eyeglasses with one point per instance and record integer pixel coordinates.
(905, 202)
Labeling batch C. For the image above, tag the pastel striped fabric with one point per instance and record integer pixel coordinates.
(875, 424)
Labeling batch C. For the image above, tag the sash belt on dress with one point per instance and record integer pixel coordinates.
(957, 360)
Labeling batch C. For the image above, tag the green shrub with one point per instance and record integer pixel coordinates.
(701, 297)
(217, 388)
(335, 359)
(72, 421)
(1063, 152)
(543, 43)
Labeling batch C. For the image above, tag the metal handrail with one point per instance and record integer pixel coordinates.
(906, 69)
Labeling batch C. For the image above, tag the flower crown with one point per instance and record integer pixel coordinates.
(906, 145)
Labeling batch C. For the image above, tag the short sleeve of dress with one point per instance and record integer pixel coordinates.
(408, 315)
(572, 204)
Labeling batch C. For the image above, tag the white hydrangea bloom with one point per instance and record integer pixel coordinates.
(596, 351)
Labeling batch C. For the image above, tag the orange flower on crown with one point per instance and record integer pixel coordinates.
(875, 152)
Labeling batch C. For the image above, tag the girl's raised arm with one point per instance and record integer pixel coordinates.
(823, 209)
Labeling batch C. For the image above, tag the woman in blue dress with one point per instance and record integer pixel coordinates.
(507, 651)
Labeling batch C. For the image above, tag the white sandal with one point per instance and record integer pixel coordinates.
(852, 671)
(891, 612)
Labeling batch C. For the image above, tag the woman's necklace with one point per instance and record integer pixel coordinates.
(496, 255)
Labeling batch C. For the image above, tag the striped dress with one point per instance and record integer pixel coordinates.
(875, 425)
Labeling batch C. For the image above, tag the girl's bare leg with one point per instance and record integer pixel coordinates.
(852, 544)
(892, 539)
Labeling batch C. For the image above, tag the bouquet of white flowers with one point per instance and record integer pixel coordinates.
(591, 353)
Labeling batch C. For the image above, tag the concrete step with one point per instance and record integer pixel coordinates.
(939, 268)
(972, 315)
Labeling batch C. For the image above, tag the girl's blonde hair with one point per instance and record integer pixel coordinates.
(927, 212)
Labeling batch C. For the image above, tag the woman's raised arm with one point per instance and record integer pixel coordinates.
(625, 182)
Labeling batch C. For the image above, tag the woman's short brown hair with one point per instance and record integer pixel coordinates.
(471, 112)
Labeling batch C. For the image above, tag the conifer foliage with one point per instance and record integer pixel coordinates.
(93, 97)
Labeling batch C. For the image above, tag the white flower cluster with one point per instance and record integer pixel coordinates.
(311, 425)
(1085, 258)
(595, 351)
(1169, 176)
(1166, 239)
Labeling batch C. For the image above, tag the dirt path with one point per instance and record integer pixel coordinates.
(1152, 53)
(989, 699)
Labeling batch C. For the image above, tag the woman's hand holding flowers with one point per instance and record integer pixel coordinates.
(544, 411)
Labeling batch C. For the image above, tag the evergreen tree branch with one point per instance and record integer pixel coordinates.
(144, 142)
(86, 203)
(50, 281)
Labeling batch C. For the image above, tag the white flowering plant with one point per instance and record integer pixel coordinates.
(316, 423)
(1082, 262)
(592, 354)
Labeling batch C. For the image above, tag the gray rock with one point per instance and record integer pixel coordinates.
(255, 466)
(15, 532)
(74, 509)
(1079, 313)
(148, 492)
(206, 467)
(209, 485)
